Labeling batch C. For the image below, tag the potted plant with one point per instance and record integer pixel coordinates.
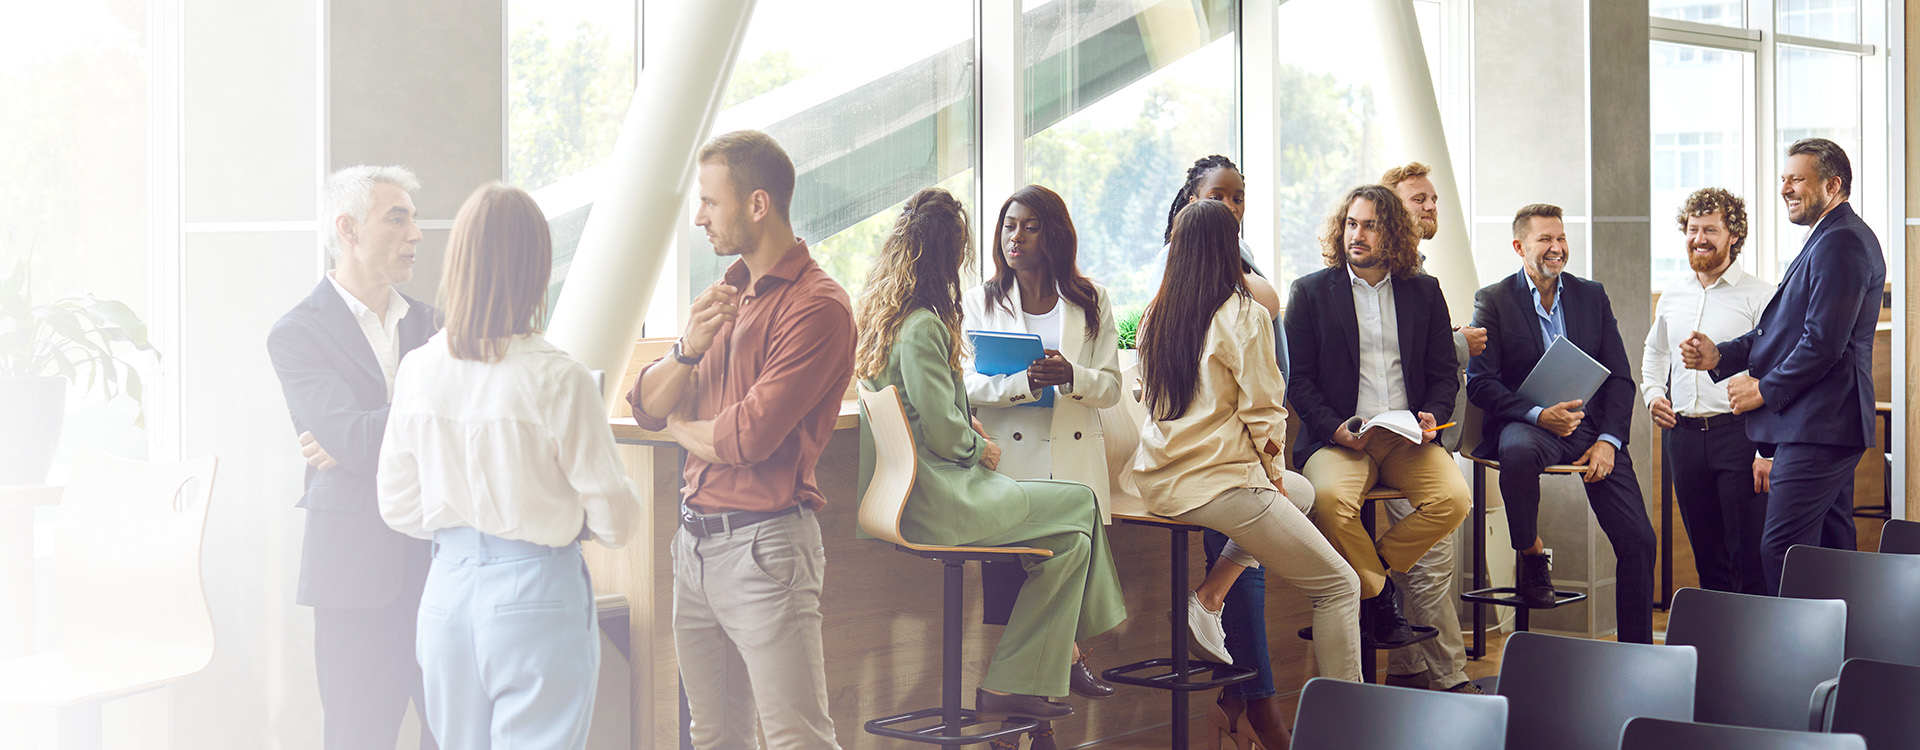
(1128, 327)
(44, 347)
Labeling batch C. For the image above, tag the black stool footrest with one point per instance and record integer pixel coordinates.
(1508, 596)
(1420, 633)
(938, 733)
(1166, 678)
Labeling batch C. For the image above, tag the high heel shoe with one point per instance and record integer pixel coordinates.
(1227, 728)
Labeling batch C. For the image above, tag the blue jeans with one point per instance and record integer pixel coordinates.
(1243, 613)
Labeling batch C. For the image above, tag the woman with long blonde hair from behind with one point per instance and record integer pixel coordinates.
(497, 448)
(910, 337)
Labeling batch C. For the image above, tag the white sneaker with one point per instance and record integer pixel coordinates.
(1205, 635)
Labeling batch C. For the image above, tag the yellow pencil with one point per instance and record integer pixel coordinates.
(1444, 426)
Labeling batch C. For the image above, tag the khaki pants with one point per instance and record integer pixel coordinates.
(1430, 594)
(746, 626)
(1341, 478)
(1274, 533)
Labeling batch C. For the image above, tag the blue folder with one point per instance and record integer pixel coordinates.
(1003, 353)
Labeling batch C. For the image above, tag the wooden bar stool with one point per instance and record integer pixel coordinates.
(893, 475)
(1367, 645)
(1176, 673)
(1499, 596)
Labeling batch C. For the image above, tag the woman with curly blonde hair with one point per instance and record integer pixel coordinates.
(910, 337)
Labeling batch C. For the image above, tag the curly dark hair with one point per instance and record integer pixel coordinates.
(1717, 200)
(1399, 233)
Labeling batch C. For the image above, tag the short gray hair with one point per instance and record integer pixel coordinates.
(349, 192)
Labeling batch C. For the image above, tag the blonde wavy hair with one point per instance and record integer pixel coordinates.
(919, 266)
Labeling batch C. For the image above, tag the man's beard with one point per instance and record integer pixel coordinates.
(1707, 263)
(1429, 228)
(1810, 211)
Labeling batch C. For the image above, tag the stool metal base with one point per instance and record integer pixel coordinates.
(1171, 677)
(940, 733)
(1508, 596)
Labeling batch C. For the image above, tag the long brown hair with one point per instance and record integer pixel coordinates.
(918, 267)
(1063, 263)
(1399, 232)
(1203, 272)
(494, 282)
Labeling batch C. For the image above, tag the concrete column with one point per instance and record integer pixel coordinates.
(1408, 101)
(626, 240)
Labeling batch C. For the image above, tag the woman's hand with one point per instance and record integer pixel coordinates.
(1051, 370)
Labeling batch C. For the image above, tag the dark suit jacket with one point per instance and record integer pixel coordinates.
(1505, 308)
(1813, 349)
(334, 389)
(1323, 342)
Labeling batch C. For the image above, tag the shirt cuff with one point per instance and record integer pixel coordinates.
(1654, 393)
(1611, 439)
(1533, 415)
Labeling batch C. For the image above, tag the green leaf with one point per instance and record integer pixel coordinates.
(114, 314)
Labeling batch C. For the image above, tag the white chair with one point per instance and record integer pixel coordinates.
(895, 467)
(132, 608)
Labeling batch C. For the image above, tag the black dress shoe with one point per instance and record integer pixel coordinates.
(992, 706)
(1084, 683)
(1389, 626)
(1534, 582)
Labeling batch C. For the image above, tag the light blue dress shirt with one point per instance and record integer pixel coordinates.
(1553, 325)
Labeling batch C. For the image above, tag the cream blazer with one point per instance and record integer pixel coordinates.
(1077, 444)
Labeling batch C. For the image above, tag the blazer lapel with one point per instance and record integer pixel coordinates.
(1408, 303)
(416, 328)
(340, 324)
(1529, 321)
(1017, 320)
(1573, 309)
(1340, 298)
(1073, 331)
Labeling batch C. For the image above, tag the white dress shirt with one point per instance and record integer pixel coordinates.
(382, 335)
(1383, 385)
(1724, 310)
(518, 448)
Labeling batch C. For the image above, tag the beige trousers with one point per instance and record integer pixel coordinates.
(1341, 478)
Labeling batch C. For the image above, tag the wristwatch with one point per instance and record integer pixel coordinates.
(679, 355)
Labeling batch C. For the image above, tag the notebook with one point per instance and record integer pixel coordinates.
(1004, 353)
(1564, 373)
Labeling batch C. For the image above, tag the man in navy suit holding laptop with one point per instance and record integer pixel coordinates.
(1523, 314)
(1808, 396)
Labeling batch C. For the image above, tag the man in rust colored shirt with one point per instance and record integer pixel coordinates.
(751, 391)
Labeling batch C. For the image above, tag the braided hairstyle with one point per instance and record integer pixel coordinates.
(1195, 174)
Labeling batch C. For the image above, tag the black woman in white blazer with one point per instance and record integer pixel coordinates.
(1037, 288)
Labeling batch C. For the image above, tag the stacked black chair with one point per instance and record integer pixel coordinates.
(1879, 701)
(1760, 656)
(1340, 715)
(1882, 593)
(1900, 537)
(1575, 694)
(1662, 734)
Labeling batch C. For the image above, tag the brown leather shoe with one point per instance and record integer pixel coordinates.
(991, 706)
(1084, 683)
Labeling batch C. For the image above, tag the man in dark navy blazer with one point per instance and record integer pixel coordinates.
(1809, 395)
(336, 353)
(1523, 313)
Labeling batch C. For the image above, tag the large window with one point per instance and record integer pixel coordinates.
(1731, 89)
(1121, 98)
(1329, 120)
(1700, 106)
(570, 74)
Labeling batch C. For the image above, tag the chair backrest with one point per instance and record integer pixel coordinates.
(1661, 734)
(1574, 694)
(1880, 701)
(1760, 656)
(127, 558)
(1340, 715)
(894, 465)
(1882, 594)
(1900, 537)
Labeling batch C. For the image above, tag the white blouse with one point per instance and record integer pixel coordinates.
(518, 448)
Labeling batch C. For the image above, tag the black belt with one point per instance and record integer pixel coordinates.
(705, 525)
(1703, 424)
